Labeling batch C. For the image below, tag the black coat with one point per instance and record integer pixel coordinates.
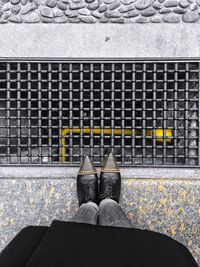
(68, 244)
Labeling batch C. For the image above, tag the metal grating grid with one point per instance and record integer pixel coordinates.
(53, 112)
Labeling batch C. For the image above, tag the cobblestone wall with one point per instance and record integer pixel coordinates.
(102, 11)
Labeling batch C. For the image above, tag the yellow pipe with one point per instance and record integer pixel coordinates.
(159, 133)
(95, 131)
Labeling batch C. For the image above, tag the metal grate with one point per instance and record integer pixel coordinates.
(54, 112)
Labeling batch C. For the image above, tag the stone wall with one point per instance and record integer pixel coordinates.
(102, 11)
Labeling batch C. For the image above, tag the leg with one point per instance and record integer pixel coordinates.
(87, 190)
(111, 214)
(87, 213)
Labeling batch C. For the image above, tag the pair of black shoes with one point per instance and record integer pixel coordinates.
(90, 188)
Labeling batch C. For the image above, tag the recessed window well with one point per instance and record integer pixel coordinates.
(54, 112)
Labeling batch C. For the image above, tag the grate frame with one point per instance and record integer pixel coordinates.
(102, 135)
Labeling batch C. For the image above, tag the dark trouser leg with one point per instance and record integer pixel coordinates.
(111, 214)
(87, 213)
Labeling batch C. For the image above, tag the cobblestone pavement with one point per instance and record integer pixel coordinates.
(103, 11)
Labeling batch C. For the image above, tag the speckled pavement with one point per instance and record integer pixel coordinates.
(167, 206)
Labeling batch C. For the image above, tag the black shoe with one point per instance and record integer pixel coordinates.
(87, 182)
(110, 180)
